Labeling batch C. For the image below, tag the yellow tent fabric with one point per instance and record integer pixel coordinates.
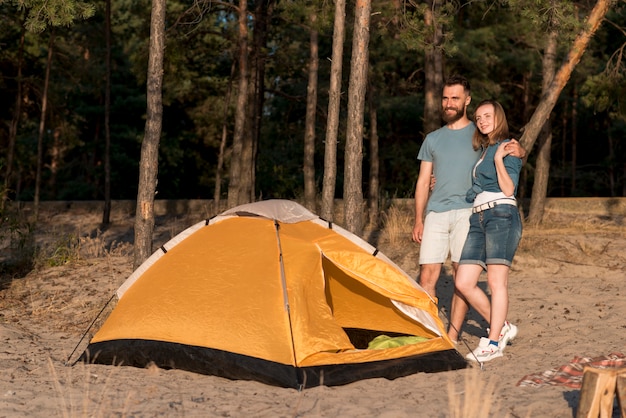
(269, 291)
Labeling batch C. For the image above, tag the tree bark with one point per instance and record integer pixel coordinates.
(548, 100)
(42, 127)
(240, 112)
(148, 165)
(353, 169)
(56, 155)
(574, 139)
(106, 213)
(433, 69)
(564, 127)
(542, 165)
(373, 198)
(256, 93)
(217, 194)
(334, 103)
(15, 121)
(309, 128)
(611, 156)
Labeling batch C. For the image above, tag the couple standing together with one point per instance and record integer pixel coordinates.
(471, 212)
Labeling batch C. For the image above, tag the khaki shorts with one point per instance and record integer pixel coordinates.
(444, 234)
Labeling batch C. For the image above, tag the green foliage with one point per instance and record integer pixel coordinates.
(599, 92)
(43, 13)
(417, 35)
(549, 15)
(497, 45)
(605, 90)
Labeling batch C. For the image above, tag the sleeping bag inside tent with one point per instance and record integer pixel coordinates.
(270, 292)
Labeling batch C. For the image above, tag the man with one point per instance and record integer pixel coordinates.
(442, 219)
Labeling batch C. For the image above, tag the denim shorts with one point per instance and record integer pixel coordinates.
(444, 233)
(493, 236)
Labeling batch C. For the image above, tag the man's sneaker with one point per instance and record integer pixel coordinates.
(508, 334)
(484, 352)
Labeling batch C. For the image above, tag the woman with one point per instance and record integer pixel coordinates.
(495, 229)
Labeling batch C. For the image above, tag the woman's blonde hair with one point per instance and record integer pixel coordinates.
(500, 128)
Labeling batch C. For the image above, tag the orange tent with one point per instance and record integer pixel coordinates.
(269, 291)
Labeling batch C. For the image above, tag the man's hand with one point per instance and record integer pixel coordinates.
(418, 231)
(515, 149)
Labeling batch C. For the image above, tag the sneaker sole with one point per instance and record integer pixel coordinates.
(495, 355)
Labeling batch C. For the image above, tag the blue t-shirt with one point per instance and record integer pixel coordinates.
(453, 158)
(485, 176)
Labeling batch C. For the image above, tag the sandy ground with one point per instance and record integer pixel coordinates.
(567, 293)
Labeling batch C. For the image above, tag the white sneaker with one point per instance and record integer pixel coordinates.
(508, 334)
(484, 352)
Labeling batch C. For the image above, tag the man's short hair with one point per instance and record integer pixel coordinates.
(455, 79)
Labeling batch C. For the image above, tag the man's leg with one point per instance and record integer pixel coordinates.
(433, 250)
(429, 274)
(458, 310)
(459, 305)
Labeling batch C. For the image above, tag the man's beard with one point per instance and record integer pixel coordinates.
(451, 118)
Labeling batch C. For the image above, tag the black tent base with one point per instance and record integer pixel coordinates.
(141, 353)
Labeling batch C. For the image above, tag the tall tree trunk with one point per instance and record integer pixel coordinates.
(15, 121)
(264, 13)
(564, 120)
(611, 162)
(548, 100)
(624, 182)
(574, 138)
(56, 154)
(217, 194)
(374, 181)
(334, 104)
(309, 128)
(246, 189)
(42, 126)
(353, 169)
(241, 110)
(106, 213)
(256, 93)
(521, 191)
(611, 169)
(542, 166)
(433, 68)
(149, 163)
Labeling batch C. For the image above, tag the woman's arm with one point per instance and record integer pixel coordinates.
(504, 179)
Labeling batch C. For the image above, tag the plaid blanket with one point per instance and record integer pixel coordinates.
(571, 374)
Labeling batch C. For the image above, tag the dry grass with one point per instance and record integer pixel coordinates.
(397, 225)
(475, 399)
(562, 222)
(96, 247)
(82, 393)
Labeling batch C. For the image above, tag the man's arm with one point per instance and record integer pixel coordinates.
(422, 189)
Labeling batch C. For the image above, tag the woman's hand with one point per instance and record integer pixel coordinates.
(502, 151)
